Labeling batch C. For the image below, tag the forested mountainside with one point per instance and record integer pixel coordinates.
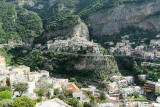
(17, 23)
(103, 17)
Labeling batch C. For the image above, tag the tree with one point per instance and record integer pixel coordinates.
(73, 80)
(20, 87)
(23, 102)
(102, 96)
(88, 104)
(39, 99)
(56, 91)
(74, 102)
(5, 88)
(79, 86)
(91, 97)
(5, 95)
(136, 95)
(61, 96)
(44, 88)
(6, 103)
(40, 92)
(67, 92)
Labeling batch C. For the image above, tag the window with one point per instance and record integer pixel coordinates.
(78, 98)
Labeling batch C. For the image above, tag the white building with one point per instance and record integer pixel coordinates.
(116, 78)
(35, 76)
(105, 105)
(112, 87)
(58, 83)
(137, 104)
(123, 82)
(158, 99)
(127, 91)
(155, 104)
(77, 93)
(142, 76)
(129, 79)
(92, 89)
(140, 47)
(131, 90)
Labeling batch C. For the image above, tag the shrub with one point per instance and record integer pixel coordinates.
(5, 95)
(6, 103)
(39, 99)
(23, 102)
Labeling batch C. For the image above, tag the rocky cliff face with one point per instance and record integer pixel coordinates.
(102, 66)
(96, 62)
(111, 20)
(79, 28)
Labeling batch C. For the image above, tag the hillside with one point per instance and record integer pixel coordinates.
(103, 17)
(17, 23)
(93, 19)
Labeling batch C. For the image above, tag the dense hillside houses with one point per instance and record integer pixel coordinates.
(73, 45)
(127, 48)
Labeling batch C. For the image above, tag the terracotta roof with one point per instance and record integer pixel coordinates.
(73, 87)
(139, 52)
(112, 89)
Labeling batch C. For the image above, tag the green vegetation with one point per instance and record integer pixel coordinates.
(39, 99)
(74, 102)
(20, 87)
(56, 91)
(23, 102)
(17, 23)
(138, 99)
(4, 52)
(39, 92)
(102, 96)
(63, 95)
(6, 103)
(136, 95)
(152, 73)
(4, 88)
(132, 66)
(5, 95)
(43, 88)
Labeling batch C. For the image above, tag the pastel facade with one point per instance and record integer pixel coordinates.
(142, 76)
(129, 79)
(23, 70)
(35, 76)
(157, 87)
(112, 87)
(59, 83)
(73, 44)
(2, 62)
(123, 82)
(2, 80)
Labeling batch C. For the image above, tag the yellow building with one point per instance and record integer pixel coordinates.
(158, 53)
(2, 62)
(157, 88)
(20, 70)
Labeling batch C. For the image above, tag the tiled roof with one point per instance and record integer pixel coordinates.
(73, 87)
